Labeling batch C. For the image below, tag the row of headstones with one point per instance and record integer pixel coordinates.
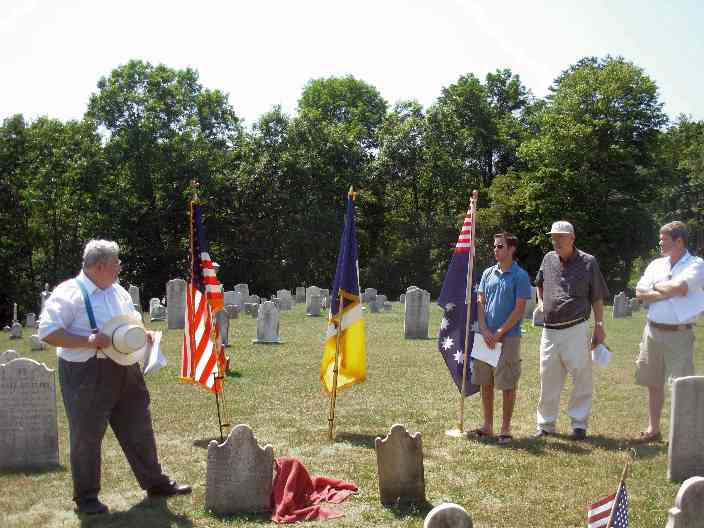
(239, 471)
(623, 306)
(15, 330)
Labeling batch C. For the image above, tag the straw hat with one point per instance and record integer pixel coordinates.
(129, 339)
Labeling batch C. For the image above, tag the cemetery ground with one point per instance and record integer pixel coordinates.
(275, 389)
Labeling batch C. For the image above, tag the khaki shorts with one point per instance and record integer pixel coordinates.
(664, 353)
(506, 374)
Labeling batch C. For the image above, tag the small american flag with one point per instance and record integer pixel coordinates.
(203, 358)
(600, 511)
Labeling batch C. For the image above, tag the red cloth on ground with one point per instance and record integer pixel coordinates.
(296, 496)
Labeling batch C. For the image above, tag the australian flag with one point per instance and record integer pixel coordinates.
(453, 301)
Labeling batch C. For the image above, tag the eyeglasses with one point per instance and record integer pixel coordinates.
(498, 246)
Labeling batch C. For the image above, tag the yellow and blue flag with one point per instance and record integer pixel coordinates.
(345, 311)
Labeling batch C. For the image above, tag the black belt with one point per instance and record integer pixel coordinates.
(564, 326)
(669, 327)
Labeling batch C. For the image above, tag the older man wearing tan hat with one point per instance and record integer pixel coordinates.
(570, 285)
(100, 338)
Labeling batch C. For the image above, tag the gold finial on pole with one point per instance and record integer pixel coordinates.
(352, 193)
(194, 188)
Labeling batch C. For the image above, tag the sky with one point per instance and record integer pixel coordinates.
(262, 53)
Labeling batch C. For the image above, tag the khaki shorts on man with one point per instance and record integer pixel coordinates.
(664, 353)
(508, 370)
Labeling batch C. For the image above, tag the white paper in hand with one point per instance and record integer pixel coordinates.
(154, 359)
(482, 352)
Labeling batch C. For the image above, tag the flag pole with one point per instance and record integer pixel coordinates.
(468, 296)
(618, 491)
(336, 366)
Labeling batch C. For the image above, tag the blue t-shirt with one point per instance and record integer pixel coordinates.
(501, 290)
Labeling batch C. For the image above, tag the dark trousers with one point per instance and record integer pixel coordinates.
(98, 392)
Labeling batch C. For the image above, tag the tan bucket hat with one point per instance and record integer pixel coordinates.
(129, 339)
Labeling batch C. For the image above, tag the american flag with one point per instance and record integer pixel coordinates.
(453, 300)
(203, 358)
(600, 511)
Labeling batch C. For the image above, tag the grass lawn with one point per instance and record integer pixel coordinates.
(276, 391)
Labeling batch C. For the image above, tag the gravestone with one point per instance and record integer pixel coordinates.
(29, 436)
(243, 290)
(300, 294)
(253, 299)
(630, 304)
(16, 331)
(228, 298)
(176, 304)
(285, 299)
(313, 305)
(238, 300)
(689, 505)
(531, 303)
(313, 290)
(268, 324)
(239, 474)
(620, 310)
(251, 309)
(35, 344)
(14, 313)
(399, 460)
(538, 316)
(8, 356)
(134, 293)
(31, 320)
(44, 295)
(387, 306)
(374, 306)
(448, 515)
(685, 454)
(369, 295)
(415, 323)
(222, 319)
(381, 299)
(402, 298)
(232, 310)
(157, 311)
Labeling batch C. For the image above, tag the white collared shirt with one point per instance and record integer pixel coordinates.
(66, 309)
(676, 310)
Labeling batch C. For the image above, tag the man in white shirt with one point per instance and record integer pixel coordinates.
(672, 287)
(95, 389)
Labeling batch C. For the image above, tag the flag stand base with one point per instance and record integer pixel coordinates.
(455, 433)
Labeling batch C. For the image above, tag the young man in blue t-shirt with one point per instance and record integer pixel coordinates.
(503, 292)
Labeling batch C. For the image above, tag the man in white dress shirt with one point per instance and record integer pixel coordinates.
(672, 287)
(97, 390)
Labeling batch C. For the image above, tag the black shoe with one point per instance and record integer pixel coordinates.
(91, 506)
(579, 434)
(541, 433)
(169, 489)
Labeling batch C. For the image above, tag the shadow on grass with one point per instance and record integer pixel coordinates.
(359, 440)
(59, 468)
(232, 374)
(250, 518)
(417, 509)
(151, 512)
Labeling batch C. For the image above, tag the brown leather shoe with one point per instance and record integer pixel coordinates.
(169, 489)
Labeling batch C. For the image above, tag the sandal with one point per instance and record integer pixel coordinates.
(505, 439)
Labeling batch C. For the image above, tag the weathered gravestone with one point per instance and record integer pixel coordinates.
(134, 293)
(253, 299)
(448, 515)
(313, 290)
(157, 311)
(35, 344)
(285, 299)
(402, 298)
(228, 298)
(176, 304)
(31, 320)
(415, 323)
(620, 309)
(16, 330)
(222, 319)
(243, 290)
(381, 299)
(685, 454)
(239, 474)
(689, 505)
(369, 295)
(29, 436)
(314, 305)
(8, 356)
(399, 460)
(325, 301)
(300, 294)
(374, 306)
(268, 324)
(387, 306)
(232, 310)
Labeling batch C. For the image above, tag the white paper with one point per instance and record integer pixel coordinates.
(153, 358)
(482, 352)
